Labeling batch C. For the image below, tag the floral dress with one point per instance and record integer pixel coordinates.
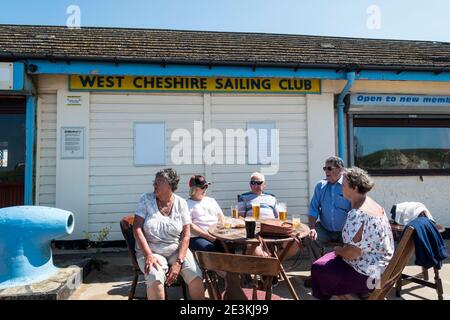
(377, 243)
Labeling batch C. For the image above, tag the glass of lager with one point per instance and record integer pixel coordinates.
(234, 212)
(281, 207)
(255, 210)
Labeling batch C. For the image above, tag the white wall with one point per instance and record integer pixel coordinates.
(72, 174)
(321, 135)
(433, 191)
(290, 183)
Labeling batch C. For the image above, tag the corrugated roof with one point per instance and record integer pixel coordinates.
(202, 47)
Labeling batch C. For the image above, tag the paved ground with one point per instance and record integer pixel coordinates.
(113, 281)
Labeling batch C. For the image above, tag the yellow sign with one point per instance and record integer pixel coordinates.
(196, 84)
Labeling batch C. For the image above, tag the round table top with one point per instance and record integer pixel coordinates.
(238, 235)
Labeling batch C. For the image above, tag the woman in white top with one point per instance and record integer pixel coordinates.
(368, 247)
(205, 212)
(162, 231)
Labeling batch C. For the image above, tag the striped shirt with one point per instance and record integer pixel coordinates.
(267, 203)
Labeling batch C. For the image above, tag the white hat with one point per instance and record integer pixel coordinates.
(258, 175)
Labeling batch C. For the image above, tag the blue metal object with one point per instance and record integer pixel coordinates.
(30, 137)
(340, 106)
(146, 69)
(18, 76)
(141, 69)
(25, 235)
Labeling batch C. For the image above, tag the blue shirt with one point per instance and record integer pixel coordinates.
(329, 205)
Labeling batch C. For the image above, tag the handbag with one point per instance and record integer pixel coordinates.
(276, 228)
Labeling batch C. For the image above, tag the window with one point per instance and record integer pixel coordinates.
(401, 145)
(149, 144)
(262, 143)
(3, 158)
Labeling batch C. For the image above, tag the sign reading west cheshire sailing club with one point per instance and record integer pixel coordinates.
(192, 84)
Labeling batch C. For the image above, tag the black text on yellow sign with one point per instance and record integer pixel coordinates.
(208, 84)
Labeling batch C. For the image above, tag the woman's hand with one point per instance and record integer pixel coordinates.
(337, 251)
(174, 271)
(313, 234)
(151, 261)
(210, 238)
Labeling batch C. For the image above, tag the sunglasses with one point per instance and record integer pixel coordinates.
(254, 183)
(328, 168)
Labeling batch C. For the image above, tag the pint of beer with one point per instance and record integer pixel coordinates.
(234, 212)
(255, 210)
(281, 207)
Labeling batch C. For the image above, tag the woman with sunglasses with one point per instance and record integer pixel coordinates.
(205, 212)
(162, 232)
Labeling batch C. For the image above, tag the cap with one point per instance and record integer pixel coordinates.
(198, 181)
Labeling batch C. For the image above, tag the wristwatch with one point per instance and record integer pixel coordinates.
(180, 261)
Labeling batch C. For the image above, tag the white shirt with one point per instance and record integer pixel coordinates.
(162, 232)
(204, 213)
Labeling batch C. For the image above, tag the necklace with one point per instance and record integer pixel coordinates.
(165, 209)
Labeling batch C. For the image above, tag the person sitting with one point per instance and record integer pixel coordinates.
(267, 209)
(368, 244)
(330, 207)
(267, 202)
(162, 232)
(205, 212)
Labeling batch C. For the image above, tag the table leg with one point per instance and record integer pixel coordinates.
(286, 279)
(225, 247)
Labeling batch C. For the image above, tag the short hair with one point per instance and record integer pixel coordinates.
(171, 177)
(335, 161)
(359, 178)
(258, 175)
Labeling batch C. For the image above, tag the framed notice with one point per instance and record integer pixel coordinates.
(72, 143)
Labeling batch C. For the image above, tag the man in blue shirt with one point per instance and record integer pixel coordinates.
(329, 206)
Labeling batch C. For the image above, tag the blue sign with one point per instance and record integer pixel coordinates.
(399, 100)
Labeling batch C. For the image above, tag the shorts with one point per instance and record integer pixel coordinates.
(189, 270)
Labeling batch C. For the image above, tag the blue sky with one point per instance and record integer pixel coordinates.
(392, 19)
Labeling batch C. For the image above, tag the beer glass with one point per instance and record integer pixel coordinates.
(250, 226)
(255, 210)
(296, 221)
(281, 207)
(234, 212)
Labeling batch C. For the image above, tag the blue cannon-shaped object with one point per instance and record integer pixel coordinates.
(25, 235)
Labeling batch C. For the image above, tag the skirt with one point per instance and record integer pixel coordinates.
(332, 276)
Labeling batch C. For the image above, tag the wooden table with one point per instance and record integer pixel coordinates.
(238, 236)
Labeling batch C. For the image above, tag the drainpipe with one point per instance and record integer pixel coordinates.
(340, 106)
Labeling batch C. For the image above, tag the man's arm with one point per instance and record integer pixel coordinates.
(313, 214)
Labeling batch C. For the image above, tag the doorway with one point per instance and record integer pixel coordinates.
(12, 151)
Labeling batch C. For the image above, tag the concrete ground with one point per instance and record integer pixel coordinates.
(113, 281)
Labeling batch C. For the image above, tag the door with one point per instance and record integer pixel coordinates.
(12, 151)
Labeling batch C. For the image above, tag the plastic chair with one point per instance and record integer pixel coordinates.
(126, 226)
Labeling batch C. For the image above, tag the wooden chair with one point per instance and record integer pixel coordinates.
(392, 274)
(423, 278)
(236, 265)
(126, 226)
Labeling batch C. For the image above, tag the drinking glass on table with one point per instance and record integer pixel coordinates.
(234, 212)
(282, 211)
(255, 210)
(296, 221)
